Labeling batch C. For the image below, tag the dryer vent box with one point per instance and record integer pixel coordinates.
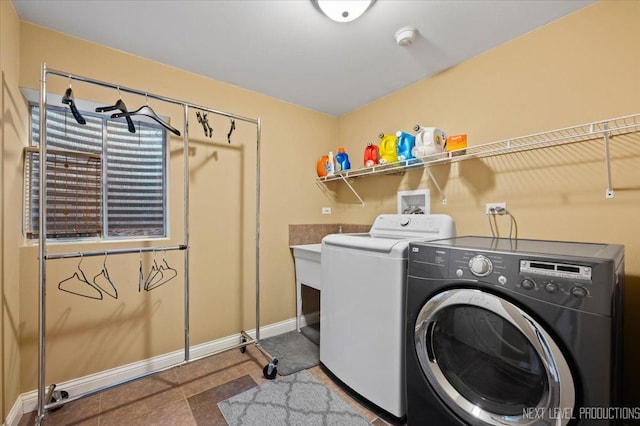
(414, 202)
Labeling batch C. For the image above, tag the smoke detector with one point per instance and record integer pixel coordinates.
(406, 35)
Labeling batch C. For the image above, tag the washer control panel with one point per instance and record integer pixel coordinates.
(553, 277)
(562, 280)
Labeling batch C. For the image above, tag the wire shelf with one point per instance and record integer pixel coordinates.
(568, 135)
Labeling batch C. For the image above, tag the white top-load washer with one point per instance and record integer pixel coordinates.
(362, 304)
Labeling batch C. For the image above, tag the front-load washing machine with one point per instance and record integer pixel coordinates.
(362, 304)
(513, 332)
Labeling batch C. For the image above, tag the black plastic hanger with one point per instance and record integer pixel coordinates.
(104, 273)
(147, 111)
(233, 127)
(122, 107)
(202, 119)
(79, 277)
(68, 100)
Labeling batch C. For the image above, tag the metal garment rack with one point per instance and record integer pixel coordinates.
(44, 395)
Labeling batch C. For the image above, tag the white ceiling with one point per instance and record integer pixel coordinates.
(288, 50)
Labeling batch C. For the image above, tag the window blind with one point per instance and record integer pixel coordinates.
(135, 180)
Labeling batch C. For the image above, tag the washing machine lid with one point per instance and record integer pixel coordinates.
(393, 231)
(557, 248)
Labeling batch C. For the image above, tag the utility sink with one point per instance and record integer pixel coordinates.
(308, 271)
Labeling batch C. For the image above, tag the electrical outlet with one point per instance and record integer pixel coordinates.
(326, 210)
(493, 206)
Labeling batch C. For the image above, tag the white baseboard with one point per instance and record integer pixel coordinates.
(27, 402)
(15, 414)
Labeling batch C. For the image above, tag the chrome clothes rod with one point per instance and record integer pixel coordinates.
(70, 255)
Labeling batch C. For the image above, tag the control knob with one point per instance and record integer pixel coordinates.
(480, 266)
(528, 284)
(404, 221)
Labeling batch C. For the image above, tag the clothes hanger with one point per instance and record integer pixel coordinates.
(147, 111)
(79, 277)
(202, 119)
(155, 274)
(168, 273)
(67, 99)
(104, 273)
(233, 127)
(140, 274)
(122, 107)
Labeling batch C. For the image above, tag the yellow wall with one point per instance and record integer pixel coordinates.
(579, 69)
(13, 124)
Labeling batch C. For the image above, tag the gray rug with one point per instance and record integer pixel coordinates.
(298, 399)
(293, 351)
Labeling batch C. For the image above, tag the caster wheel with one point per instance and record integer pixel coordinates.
(270, 370)
(60, 395)
(243, 349)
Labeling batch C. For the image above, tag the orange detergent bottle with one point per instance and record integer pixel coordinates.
(321, 167)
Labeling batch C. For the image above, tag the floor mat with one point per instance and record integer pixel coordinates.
(293, 351)
(297, 399)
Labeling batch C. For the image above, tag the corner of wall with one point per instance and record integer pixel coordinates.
(13, 124)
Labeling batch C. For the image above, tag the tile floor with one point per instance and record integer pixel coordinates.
(183, 395)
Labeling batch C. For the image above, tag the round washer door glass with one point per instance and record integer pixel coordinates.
(490, 362)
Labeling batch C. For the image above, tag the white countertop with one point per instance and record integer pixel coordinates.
(309, 247)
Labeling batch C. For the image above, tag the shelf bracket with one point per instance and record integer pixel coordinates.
(609, 192)
(352, 189)
(435, 183)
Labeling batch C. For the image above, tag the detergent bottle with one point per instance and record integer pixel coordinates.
(331, 165)
(342, 160)
(370, 155)
(406, 142)
(321, 166)
(388, 149)
(429, 140)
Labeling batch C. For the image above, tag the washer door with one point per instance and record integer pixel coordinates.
(490, 362)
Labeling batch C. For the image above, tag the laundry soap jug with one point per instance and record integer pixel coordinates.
(321, 166)
(342, 160)
(429, 140)
(406, 142)
(370, 155)
(388, 149)
(331, 165)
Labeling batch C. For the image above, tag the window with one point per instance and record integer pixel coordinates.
(102, 181)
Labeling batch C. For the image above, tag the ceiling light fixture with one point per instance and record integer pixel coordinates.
(343, 11)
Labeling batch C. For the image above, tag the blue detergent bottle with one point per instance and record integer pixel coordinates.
(342, 160)
(406, 142)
